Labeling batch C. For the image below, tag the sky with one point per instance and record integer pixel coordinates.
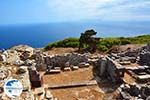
(45, 11)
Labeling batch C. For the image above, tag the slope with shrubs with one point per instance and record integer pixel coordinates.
(104, 44)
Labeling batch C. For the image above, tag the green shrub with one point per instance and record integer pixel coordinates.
(102, 48)
(125, 41)
(69, 42)
(109, 42)
(104, 44)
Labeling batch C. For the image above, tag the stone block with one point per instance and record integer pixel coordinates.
(83, 65)
(75, 67)
(67, 69)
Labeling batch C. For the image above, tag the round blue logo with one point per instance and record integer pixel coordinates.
(13, 88)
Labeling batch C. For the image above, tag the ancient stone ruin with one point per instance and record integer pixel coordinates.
(107, 69)
(29, 65)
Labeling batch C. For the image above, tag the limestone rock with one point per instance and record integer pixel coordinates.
(22, 48)
(24, 78)
(12, 56)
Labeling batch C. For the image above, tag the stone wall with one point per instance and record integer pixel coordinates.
(145, 58)
(107, 69)
(65, 60)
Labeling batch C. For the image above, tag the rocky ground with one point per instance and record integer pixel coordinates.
(64, 74)
(74, 93)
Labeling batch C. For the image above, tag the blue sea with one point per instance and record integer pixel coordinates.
(39, 35)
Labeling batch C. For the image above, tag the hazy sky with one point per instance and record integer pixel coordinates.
(43, 11)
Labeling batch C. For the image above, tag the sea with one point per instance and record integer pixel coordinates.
(39, 35)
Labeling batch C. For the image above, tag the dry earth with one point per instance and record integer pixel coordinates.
(76, 93)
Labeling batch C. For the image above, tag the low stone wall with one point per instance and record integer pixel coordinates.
(65, 60)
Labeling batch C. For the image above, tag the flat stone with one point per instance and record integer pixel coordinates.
(75, 67)
(125, 63)
(144, 77)
(54, 71)
(67, 69)
(57, 68)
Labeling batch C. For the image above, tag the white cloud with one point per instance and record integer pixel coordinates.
(72, 10)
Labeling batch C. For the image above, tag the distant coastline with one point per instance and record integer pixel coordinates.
(39, 35)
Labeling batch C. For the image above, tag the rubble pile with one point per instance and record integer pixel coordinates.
(18, 63)
(17, 54)
(140, 73)
(134, 92)
(140, 55)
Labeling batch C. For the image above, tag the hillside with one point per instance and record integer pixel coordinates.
(104, 44)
